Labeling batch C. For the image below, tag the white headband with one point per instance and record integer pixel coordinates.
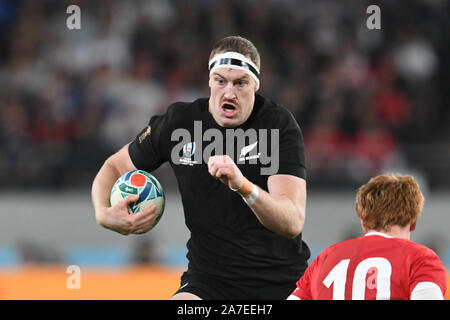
(234, 60)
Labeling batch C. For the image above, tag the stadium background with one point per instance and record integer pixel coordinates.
(368, 101)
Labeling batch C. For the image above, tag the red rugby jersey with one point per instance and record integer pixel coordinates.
(374, 266)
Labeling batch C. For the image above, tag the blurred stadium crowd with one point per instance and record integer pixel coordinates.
(366, 100)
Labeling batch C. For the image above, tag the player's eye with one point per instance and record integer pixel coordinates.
(241, 83)
(220, 81)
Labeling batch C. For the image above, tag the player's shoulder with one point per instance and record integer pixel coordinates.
(349, 246)
(392, 248)
(407, 247)
(267, 105)
(348, 243)
(273, 112)
(339, 249)
(405, 244)
(416, 248)
(181, 108)
(178, 114)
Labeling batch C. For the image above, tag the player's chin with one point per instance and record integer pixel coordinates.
(230, 122)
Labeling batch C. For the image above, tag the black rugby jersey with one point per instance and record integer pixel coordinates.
(227, 240)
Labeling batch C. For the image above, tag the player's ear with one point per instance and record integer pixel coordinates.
(210, 82)
(256, 87)
(412, 227)
(362, 226)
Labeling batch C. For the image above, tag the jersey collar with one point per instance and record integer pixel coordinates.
(376, 233)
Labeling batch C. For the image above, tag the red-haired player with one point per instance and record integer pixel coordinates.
(383, 264)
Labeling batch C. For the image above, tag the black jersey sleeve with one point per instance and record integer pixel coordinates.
(151, 146)
(291, 146)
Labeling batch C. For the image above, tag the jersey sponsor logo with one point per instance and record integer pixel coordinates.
(251, 146)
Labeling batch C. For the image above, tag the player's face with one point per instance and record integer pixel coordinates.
(232, 96)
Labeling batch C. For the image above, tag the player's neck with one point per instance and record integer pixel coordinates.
(396, 232)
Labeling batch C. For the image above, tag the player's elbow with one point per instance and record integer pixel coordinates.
(294, 230)
(289, 230)
(99, 218)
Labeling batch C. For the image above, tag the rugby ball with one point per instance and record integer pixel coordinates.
(142, 183)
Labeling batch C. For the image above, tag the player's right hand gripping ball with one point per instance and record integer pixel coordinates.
(142, 183)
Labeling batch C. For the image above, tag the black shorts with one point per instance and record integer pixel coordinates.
(212, 288)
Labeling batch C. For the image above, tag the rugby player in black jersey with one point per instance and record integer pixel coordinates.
(239, 162)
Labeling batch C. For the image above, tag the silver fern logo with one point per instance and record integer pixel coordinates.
(245, 150)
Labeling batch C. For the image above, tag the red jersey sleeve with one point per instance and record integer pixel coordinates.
(303, 290)
(428, 268)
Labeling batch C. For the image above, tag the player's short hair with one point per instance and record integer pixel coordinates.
(388, 200)
(237, 44)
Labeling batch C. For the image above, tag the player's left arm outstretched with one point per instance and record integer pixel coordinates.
(281, 210)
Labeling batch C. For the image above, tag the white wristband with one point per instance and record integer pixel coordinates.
(252, 197)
